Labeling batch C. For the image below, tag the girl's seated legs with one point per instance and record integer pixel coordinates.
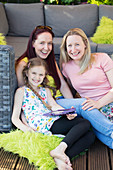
(82, 144)
(77, 134)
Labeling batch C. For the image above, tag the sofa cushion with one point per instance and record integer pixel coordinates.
(106, 48)
(93, 46)
(57, 42)
(106, 10)
(104, 32)
(61, 18)
(23, 18)
(3, 20)
(18, 43)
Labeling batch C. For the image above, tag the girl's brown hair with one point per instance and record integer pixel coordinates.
(32, 63)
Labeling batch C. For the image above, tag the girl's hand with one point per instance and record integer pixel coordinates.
(28, 128)
(71, 116)
(90, 104)
(55, 108)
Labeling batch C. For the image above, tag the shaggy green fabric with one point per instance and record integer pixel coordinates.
(2, 39)
(33, 146)
(104, 32)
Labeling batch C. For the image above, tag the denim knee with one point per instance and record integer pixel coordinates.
(104, 139)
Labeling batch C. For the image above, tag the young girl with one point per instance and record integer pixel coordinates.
(35, 101)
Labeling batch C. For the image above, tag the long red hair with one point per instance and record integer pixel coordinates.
(50, 60)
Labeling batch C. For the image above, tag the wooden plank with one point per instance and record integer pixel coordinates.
(98, 157)
(23, 164)
(111, 158)
(79, 163)
(7, 160)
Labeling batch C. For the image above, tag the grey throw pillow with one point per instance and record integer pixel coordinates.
(23, 18)
(61, 18)
(3, 20)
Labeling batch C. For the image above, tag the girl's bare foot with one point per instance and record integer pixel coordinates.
(62, 156)
(61, 165)
(58, 152)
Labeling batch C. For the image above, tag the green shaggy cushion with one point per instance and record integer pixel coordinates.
(33, 146)
(2, 39)
(104, 32)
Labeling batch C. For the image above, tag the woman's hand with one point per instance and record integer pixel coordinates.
(90, 104)
(71, 116)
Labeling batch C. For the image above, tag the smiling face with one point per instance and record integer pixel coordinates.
(43, 45)
(36, 75)
(75, 47)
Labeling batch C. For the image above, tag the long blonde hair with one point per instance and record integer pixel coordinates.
(86, 59)
(32, 63)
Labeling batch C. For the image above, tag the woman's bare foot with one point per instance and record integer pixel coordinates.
(62, 165)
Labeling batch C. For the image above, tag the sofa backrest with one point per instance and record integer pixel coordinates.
(23, 18)
(61, 18)
(3, 20)
(106, 10)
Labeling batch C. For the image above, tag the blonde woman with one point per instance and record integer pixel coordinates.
(92, 76)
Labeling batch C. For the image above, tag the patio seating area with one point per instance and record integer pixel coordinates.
(98, 157)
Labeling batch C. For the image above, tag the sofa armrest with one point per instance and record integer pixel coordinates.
(8, 85)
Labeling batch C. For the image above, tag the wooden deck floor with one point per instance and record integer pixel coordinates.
(98, 157)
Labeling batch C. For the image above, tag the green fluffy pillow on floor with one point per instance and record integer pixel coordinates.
(33, 146)
(104, 32)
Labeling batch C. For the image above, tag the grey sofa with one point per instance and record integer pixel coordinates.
(17, 22)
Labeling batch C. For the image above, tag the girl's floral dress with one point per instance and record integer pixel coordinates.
(34, 109)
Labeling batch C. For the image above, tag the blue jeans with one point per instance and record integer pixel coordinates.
(105, 139)
(100, 123)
